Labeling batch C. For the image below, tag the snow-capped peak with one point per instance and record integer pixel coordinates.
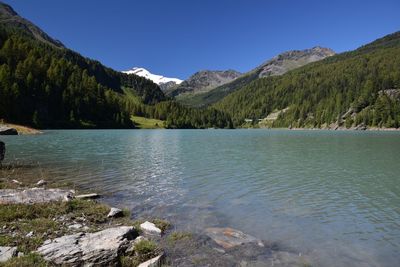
(158, 79)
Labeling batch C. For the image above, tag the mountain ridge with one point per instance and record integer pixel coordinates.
(204, 81)
(355, 89)
(9, 17)
(277, 65)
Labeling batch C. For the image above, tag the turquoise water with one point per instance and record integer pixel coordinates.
(334, 196)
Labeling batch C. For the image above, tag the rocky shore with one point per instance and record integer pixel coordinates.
(45, 225)
(14, 129)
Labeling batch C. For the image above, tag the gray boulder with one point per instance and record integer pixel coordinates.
(100, 249)
(33, 195)
(7, 253)
(115, 212)
(150, 228)
(4, 130)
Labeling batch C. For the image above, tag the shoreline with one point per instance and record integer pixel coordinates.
(33, 230)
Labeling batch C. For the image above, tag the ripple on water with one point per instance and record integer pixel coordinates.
(334, 196)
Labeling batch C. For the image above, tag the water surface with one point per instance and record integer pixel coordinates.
(334, 196)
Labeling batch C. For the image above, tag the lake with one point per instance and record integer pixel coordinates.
(332, 195)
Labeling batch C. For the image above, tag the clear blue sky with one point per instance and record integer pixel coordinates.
(179, 37)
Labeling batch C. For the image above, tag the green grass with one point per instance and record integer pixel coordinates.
(29, 260)
(143, 251)
(146, 123)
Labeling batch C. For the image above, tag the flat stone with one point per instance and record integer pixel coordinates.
(33, 195)
(229, 238)
(7, 253)
(4, 130)
(154, 262)
(115, 212)
(150, 228)
(100, 248)
(75, 226)
(88, 196)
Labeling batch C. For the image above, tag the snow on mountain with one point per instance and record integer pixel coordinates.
(158, 79)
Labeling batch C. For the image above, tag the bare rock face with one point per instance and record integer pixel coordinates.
(33, 195)
(229, 238)
(100, 249)
(7, 253)
(204, 81)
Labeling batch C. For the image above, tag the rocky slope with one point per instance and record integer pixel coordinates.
(204, 81)
(278, 65)
(10, 18)
(289, 60)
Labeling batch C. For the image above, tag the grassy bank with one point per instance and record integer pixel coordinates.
(146, 123)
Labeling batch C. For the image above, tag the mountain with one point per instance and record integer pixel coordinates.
(278, 65)
(10, 18)
(165, 83)
(356, 89)
(204, 81)
(291, 60)
(46, 85)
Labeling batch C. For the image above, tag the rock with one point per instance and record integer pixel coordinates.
(361, 127)
(115, 212)
(4, 130)
(7, 253)
(33, 195)
(88, 196)
(75, 226)
(16, 182)
(30, 234)
(229, 238)
(41, 183)
(2, 151)
(154, 262)
(150, 228)
(101, 248)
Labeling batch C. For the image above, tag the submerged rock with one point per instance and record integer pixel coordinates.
(7, 253)
(33, 195)
(229, 238)
(154, 262)
(115, 212)
(100, 248)
(4, 130)
(150, 228)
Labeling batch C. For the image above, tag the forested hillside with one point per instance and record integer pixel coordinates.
(277, 65)
(349, 89)
(49, 86)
